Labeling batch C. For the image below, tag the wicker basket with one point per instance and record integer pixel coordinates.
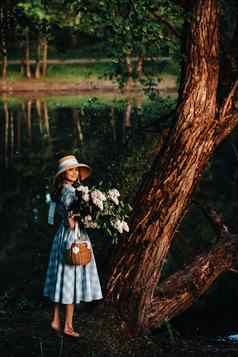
(79, 254)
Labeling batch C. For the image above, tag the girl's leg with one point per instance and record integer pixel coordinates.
(55, 323)
(68, 325)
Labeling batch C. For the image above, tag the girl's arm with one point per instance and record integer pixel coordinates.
(71, 222)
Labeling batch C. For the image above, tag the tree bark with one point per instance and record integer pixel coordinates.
(38, 59)
(27, 56)
(166, 190)
(78, 128)
(183, 288)
(129, 70)
(4, 66)
(139, 67)
(3, 40)
(44, 56)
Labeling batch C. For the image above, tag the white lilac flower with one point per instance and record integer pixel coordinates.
(113, 194)
(117, 224)
(85, 197)
(125, 226)
(85, 192)
(98, 197)
(93, 225)
(83, 189)
(87, 219)
(88, 222)
(96, 194)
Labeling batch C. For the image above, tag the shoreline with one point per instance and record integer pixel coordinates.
(167, 83)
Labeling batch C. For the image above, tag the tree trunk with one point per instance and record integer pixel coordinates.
(4, 67)
(78, 128)
(129, 70)
(44, 56)
(126, 119)
(3, 40)
(166, 190)
(38, 59)
(183, 288)
(27, 56)
(139, 67)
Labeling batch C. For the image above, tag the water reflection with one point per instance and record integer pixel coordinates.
(106, 133)
(35, 131)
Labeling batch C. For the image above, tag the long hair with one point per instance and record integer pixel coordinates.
(58, 185)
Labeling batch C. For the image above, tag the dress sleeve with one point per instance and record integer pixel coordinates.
(68, 198)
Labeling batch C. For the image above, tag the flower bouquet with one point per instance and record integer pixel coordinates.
(96, 209)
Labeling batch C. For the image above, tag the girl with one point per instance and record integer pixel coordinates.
(69, 284)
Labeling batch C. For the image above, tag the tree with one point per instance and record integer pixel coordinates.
(131, 29)
(202, 122)
(7, 25)
(41, 16)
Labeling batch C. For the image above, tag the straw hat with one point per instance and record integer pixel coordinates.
(69, 162)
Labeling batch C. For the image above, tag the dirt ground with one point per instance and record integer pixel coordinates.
(167, 83)
(27, 333)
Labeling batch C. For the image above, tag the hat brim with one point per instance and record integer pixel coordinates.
(85, 170)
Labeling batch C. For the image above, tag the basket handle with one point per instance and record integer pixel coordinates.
(76, 231)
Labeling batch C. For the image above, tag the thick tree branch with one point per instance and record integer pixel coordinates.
(229, 102)
(230, 122)
(228, 115)
(180, 290)
(214, 219)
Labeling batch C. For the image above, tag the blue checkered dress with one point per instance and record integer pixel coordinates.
(64, 283)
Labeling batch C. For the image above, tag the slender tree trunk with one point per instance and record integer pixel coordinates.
(38, 59)
(129, 70)
(127, 119)
(4, 66)
(25, 62)
(166, 190)
(139, 67)
(3, 40)
(79, 132)
(27, 55)
(44, 56)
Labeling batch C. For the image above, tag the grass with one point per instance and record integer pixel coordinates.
(77, 101)
(95, 71)
(79, 72)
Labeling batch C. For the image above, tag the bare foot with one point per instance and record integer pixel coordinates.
(70, 332)
(55, 326)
